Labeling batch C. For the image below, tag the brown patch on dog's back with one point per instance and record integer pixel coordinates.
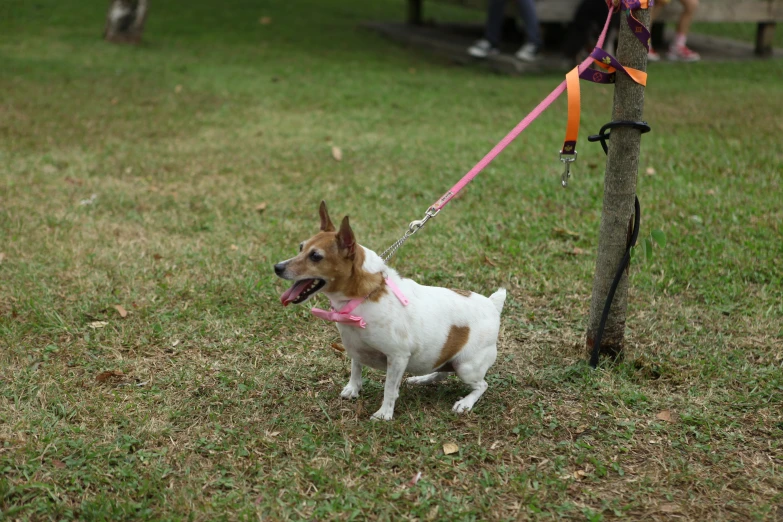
(457, 339)
(463, 293)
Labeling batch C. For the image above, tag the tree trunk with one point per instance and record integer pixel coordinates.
(125, 21)
(414, 12)
(622, 163)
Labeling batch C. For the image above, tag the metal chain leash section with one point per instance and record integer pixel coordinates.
(413, 227)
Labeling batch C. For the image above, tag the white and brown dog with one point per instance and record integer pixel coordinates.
(394, 324)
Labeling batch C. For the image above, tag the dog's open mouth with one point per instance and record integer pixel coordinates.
(301, 290)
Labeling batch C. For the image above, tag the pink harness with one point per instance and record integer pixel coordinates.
(344, 315)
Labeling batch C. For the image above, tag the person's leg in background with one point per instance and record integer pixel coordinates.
(679, 51)
(492, 31)
(529, 51)
(496, 10)
(652, 55)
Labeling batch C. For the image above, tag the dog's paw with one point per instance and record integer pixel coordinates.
(350, 391)
(462, 406)
(382, 415)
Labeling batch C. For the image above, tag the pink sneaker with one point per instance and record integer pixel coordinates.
(681, 53)
(652, 56)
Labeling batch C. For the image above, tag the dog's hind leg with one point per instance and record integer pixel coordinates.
(354, 386)
(472, 373)
(429, 378)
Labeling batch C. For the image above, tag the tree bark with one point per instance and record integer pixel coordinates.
(622, 163)
(125, 21)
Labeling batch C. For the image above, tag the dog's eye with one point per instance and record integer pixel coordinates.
(315, 256)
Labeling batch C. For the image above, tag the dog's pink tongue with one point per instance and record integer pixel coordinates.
(292, 293)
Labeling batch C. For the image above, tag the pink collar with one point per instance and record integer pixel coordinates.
(344, 315)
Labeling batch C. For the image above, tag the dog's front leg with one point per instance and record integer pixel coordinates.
(395, 368)
(354, 386)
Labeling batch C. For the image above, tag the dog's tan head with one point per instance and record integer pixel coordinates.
(330, 261)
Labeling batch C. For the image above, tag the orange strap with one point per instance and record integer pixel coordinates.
(636, 75)
(574, 109)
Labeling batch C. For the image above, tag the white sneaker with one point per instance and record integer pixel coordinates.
(482, 48)
(528, 53)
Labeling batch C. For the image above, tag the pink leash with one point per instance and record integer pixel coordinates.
(344, 315)
(516, 131)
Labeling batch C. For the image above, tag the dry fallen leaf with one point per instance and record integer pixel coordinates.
(337, 153)
(666, 416)
(174, 343)
(122, 311)
(105, 376)
(271, 434)
(564, 232)
(669, 508)
(157, 257)
(579, 474)
(495, 444)
(58, 463)
(650, 171)
(234, 247)
(581, 428)
(488, 261)
(73, 181)
(450, 448)
(49, 169)
(178, 89)
(265, 20)
(261, 207)
(98, 324)
(338, 347)
(577, 251)
(2, 256)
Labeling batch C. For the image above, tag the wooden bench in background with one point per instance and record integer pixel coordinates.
(765, 13)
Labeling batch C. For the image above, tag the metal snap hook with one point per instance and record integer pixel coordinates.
(567, 159)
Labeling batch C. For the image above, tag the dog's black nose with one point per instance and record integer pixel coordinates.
(279, 268)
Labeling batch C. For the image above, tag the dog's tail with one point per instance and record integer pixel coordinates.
(498, 299)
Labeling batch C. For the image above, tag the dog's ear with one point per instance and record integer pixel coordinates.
(345, 238)
(326, 223)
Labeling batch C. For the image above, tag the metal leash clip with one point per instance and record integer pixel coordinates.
(567, 159)
(417, 224)
(413, 227)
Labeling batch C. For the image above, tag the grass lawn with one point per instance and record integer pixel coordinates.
(228, 405)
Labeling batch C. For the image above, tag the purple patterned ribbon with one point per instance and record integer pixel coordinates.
(596, 76)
